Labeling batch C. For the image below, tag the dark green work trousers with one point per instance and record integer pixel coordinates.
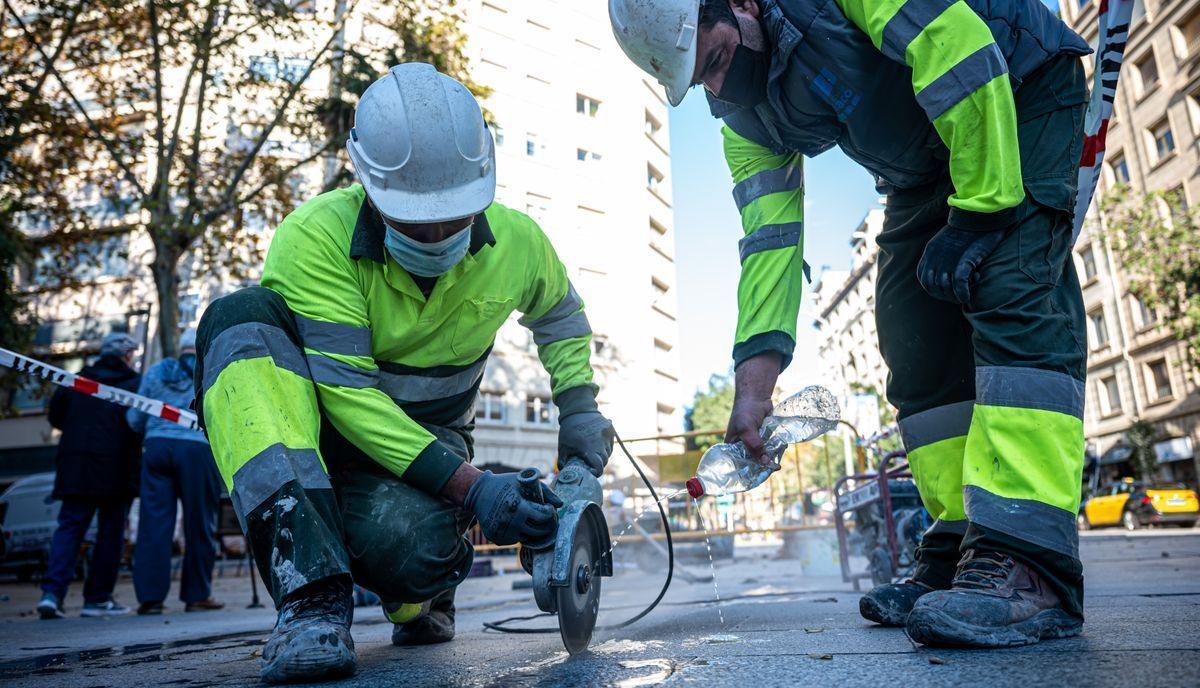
(309, 516)
(1025, 320)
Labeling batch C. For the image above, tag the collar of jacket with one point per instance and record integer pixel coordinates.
(783, 37)
(369, 230)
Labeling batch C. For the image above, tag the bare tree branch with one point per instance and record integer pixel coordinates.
(156, 68)
(36, 91)
(108, 145)
(230, 194)
(205, 36)
(331, 144)
(194, 155)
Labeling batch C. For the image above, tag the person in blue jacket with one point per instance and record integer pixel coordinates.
(177, 464)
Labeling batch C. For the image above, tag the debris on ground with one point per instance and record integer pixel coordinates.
(818, 655)
(934, 659)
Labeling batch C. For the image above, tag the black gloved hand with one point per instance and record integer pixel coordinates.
(507, 517)
(950, 260)
(588, 436)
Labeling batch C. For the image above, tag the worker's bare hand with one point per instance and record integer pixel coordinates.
(753, 384)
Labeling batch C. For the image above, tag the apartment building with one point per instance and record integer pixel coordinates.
(582, 147)
(844, 301)
(1136, 368)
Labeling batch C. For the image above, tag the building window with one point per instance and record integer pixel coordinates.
(1120, 169)
(1099, 327)
(1189, 35)
(1088, 257)
(1193, 108)
(1158, 379)
(537, 207)
(489, 407)
(1110, 396)
(1147, 316)
(498, 134)
(532, 145)
(1164, 140)
(599, 344)
(654, 178)
(538, 410)
(653, 126)
(1147, 71)
(585, 155)
(586, 105)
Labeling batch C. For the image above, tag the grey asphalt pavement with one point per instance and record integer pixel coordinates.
(773, 627)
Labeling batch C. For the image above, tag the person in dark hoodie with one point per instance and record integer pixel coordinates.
(97, 476)
(177, 464)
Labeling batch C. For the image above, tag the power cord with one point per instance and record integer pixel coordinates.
(503, 624)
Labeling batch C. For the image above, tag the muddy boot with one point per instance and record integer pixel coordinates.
(435, 625)
(311, 640)
(890, 604)
(996, 601)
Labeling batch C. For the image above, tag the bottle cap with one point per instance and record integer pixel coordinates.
(694, 487)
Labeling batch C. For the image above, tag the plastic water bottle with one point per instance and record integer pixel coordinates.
(727, 468)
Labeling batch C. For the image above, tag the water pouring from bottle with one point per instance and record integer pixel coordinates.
(727, 468)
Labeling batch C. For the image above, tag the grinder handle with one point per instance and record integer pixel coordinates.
(529, 482)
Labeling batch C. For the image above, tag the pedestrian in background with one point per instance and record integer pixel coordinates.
(177, 464)
(97, 476)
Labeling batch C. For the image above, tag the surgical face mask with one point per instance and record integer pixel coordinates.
(746, 78)
(427, 259)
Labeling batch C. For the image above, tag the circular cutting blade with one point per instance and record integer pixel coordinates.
(579, 600)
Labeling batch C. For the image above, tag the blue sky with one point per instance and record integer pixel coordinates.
(838, 195)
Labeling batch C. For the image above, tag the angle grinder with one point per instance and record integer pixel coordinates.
(567, 571)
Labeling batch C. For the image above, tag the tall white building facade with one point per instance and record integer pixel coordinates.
(582, 147)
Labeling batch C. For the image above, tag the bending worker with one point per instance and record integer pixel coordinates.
(339, 395)
(969, 114)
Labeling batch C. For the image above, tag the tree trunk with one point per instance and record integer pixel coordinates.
(166, 284)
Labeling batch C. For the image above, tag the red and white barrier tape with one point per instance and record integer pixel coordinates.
(151, 407)
(1114, 17)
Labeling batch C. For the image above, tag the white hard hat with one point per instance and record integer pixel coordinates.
(420, 147)
(660, 37)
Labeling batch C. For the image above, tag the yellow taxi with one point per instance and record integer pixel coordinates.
(1134, 504)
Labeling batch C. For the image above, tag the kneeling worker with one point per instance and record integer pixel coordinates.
(339, 395)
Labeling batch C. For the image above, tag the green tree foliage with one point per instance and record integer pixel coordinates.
(1157, 239)
(709, 410)
(1141, 437)
(189, 121)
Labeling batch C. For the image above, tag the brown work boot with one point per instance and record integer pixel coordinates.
(890, 604)
(208, 605)
(435, 625)
(995, 601)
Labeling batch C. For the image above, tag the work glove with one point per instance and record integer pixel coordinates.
(950, 260)
(587, 435)
(507, 516)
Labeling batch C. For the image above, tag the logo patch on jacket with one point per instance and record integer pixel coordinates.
(842, 99)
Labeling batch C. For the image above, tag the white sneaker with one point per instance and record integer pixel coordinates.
(108, 607)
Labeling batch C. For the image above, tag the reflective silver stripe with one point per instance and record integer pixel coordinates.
(1030, 388)
(906, 24)
(951, 527)
(564, 321)
(271, 469)
(936, 424)
(411, 388)
(769, 237)
(767, 182)
(252, 340)
(1042, 524)
(961, 80)
(334, 338)
(328, 371)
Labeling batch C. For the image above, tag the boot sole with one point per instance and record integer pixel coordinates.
(933, 627)
(315, 663)
(48, 613)
(871, 610)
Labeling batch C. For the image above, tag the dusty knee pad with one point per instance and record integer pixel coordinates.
(404, 545)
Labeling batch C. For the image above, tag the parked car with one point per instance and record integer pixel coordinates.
(1135, 504)
(28, 523)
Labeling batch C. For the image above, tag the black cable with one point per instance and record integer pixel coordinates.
(502, 626)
